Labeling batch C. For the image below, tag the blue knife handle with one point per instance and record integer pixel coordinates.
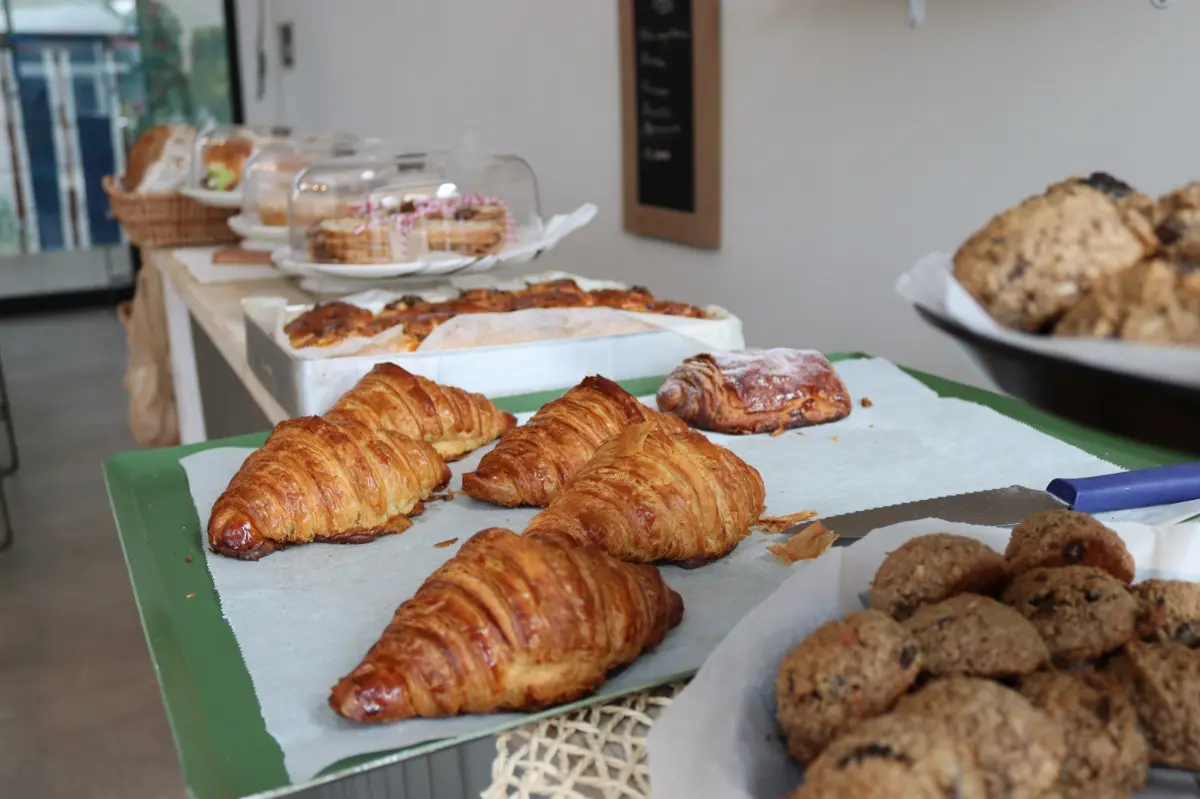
(1141, 488)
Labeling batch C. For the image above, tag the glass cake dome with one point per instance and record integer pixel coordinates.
(413, 207)
(268, 176)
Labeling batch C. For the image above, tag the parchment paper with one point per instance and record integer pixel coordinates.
(303, 617)
(719, 737)
(931, 285)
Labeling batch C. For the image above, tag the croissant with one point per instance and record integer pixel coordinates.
(452, 420)
(532, 462)
(651, 495)
(509, 623)
(314, 480)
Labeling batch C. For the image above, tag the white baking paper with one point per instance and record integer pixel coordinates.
(931, 285)
(719, 737)
(303, 617)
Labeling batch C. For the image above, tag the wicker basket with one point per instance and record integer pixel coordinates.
(168, 220)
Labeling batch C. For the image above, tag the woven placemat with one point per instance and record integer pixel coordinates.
(598, 752)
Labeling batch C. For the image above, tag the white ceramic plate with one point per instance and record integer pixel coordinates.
(278, 236)
(217, 199)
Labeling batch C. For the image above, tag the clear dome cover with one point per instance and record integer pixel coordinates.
(222, 152)
(413, 207)
(268, 175)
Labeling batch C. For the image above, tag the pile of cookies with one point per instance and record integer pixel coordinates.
(1037, 673)
(1091, 257)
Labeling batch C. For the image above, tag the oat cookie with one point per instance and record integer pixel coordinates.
(1017, 748)
(1180, 604)
(1105, 745)
(847, 671)
(1080, 611)
(1180, 215)
(976, 636)
(911, 757)
(931, 568)
(1031, 263)
(1067, 538)
(1157, 301)
(1163, 681)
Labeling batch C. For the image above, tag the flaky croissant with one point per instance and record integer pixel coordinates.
(651, 495)
(316, 480)
(532, 462)
(452, 420)
(509, 623)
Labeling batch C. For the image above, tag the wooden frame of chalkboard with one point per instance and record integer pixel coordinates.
(671, 119)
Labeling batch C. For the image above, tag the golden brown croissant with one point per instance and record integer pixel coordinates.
(452, 420)
(509, 623)
(532, 462)
(651, 495)
(755, 391)
(314, 480)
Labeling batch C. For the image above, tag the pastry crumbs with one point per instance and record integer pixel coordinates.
(778, 431)
(448, 542)
(809, 543)
(189, 596)
(777, 524)
(865, 402)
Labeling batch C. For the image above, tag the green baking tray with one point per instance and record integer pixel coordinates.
(224, 747)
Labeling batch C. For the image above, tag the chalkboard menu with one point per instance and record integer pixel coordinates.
(670, 75)
(665, 103)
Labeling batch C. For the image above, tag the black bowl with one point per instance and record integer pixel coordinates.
(1140, 408)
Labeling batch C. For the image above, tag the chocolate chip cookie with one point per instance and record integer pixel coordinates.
(1067, 538)
(1105, 746)
(1163, 681)
(1017, 748)
(1157, 301)
(1081, 612)
(1180, 604)
(934, 567)
(976, 636)
(847, 671)
(1031, 263)
(896, 756)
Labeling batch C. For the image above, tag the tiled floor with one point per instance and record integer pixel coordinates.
(80, 714)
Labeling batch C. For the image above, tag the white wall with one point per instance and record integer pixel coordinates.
(853, 144)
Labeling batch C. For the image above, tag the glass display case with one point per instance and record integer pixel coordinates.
(222, 152)
(413, 207)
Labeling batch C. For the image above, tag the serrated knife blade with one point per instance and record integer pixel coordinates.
(1006, 507)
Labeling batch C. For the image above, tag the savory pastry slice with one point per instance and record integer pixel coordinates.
(1031, 263)
(755, 391)
(327, 324)
(509, 623)
(452, 420)
(651, 495)
(315, 480)
(532, 462)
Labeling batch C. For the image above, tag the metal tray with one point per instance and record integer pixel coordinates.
(1139, 408)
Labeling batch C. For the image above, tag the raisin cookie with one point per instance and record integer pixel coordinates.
(1157, 301)
(1162, 681)
(1017, 748)
(1031, 263)
(976, 636)
(896, 756)
(847, 671)
(1067, 538)
(1105, 745)
(934, 567)
(1080, 611)
(1180, 604)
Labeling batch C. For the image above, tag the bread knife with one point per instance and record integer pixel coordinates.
(1006, 507)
